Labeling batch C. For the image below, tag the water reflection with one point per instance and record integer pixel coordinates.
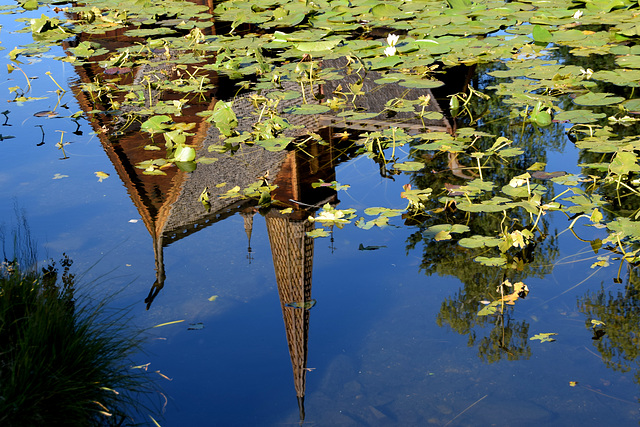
(65, 358)
(613, 318)
(169, 204)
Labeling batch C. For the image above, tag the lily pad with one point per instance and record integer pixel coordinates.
(308, 109)
(598, 98)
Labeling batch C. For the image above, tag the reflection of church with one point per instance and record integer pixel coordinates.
(169, 204)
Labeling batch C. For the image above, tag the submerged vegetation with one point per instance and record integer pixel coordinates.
(64, 360)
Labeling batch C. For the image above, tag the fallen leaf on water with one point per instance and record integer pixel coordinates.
(60, 176)
(302, 304)
(101, 175)
(547, 175)
(213, 298)
(452, 189)
(117, 70)
(520, 290)
(544, 337)
(573, 383)
(46, 114)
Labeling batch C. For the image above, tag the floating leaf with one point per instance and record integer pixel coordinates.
(305, 305)
(384, 10)
(479, 242)
(308, 109)
(156, 124)
(490, 262)
(46, 114)
(101, 175)
(442, 235)
(541, 34)
(184, 153)
(544, 337)
(317, 46)
(318, 232)
(388, 212)
(409, 166)
(578, 116)
(598, 98)
(547, 175)
(224, 117)
(489, 309)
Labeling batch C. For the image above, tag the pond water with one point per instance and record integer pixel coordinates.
(266, 325)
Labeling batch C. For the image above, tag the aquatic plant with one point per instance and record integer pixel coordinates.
(64, 359)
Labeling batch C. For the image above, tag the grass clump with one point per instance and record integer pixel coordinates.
(63, 362)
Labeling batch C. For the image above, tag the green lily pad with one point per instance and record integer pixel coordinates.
(307, 109)
(598, 98)
(317, 46)
(541, 34)
(578, 116)
(477, 241)
(490, 262)
(409, 166)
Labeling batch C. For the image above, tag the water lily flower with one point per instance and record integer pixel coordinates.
(517, 182)
(586, 73)
(392, 40)
(577, 15)
(330, 216)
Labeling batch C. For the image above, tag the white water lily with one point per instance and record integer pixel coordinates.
(392, 39)
(577, 15)
(517, 182)
(586, 73)
(330, 216)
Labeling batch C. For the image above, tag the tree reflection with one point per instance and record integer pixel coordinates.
(500, 336)
(618, 339)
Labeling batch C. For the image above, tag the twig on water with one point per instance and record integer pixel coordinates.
(586, 387)
(467, 408)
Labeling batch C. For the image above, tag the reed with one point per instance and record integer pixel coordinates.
(65, 361)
